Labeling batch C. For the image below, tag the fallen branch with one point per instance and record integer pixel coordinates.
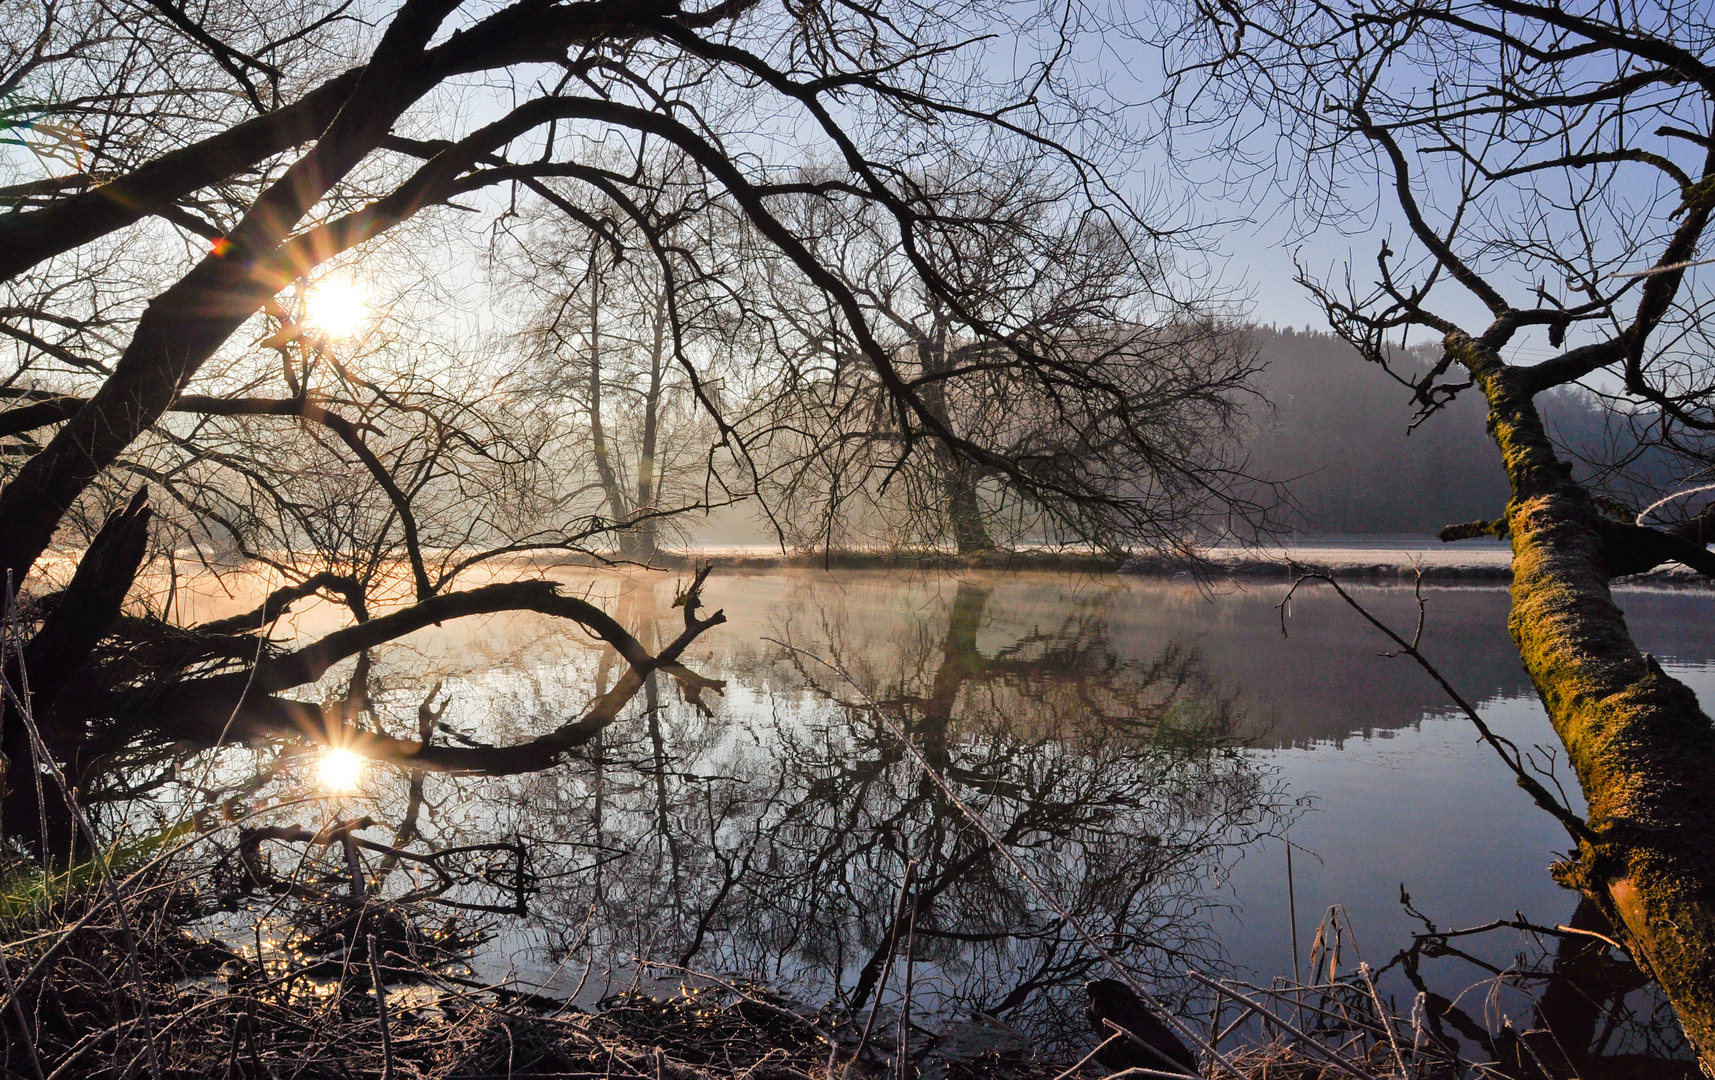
(199, 710)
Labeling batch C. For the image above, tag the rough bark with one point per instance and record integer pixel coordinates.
(965, 512)
(1642, 747)
(31, 810)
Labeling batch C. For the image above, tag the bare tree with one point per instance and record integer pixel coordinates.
(601, 341)
(1110, 368)
(182, 175)
(1551, 171)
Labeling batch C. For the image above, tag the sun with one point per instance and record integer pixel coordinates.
(336, 306)
(340, 770)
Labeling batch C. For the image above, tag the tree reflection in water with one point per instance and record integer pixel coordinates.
(772, 841)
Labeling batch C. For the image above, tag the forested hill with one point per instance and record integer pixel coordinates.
(1337, 433)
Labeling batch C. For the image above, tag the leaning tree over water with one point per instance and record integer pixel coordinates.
(1549, 170)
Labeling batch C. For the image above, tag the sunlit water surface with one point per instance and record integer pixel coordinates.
(1146, 748)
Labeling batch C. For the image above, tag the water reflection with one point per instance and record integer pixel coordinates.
(774, 840)
(1582, 1014)
(1096, 724)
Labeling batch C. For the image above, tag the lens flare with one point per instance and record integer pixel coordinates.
(340, 770)
(336, 307)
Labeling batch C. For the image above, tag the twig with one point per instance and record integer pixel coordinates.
(1506, 748)
(1519, 1037)
(1232, 1027)
(903, 1053)
(1138, 1072)
(1526, 925)
(1215, 1019)
(1292, 909)
(39, 750)
(1292, 915)
(752, 998)
(1296, 998)
(1120, 1029)
(23, 1022)
(1087, 1058)
(381, 1010)
(1654, 270)
(887, 965)
(1616, 946)
(1333, 1057)
(1381, 1015)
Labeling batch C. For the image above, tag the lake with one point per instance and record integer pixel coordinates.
(1145, 748)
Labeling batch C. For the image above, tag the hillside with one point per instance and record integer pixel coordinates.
(1337, 431)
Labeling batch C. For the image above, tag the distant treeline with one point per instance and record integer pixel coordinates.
(1338, 431)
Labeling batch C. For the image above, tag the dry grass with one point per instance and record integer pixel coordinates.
(101, 979)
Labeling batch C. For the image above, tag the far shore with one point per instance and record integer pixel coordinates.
(1373, 559)
(1370, 559)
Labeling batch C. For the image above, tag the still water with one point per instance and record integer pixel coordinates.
(1146, 748)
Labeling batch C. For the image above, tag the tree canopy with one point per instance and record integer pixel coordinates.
(345, 295)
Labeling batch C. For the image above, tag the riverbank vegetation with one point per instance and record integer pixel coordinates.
(104, 981)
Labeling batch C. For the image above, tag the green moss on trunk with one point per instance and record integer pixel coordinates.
(1642, 747)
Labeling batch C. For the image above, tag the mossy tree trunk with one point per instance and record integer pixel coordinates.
(1596, 120)
(1642, 746)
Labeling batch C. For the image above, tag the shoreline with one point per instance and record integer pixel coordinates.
(1403, 568)
(1357, 560)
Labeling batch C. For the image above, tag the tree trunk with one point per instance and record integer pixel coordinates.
(965, 511)
(618, 509)
(957, 479)
(54, 656)
(643, 537)
(1643, 749)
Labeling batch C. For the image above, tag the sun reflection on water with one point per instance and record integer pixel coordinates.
(340, 770)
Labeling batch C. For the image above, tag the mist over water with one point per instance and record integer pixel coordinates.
(1144, 746)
